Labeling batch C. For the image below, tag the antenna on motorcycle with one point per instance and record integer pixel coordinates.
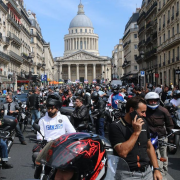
(37, 128)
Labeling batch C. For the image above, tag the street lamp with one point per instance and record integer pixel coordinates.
(53, 74)
(44, 66)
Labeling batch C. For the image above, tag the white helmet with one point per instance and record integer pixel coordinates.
(151, 96)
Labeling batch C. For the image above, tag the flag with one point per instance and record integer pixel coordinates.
(86, 81)
(94, 81)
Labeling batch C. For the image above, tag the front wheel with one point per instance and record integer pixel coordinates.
(176, 142)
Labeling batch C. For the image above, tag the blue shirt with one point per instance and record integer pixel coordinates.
(115, 98)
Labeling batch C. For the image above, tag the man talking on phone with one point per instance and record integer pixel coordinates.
(130, 138)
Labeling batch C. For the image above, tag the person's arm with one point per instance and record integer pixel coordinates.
(41, 124)
(109, 99)
(124, 148)
(168, 121)
(153, 158)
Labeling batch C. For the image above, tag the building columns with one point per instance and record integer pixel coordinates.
(105, 70)
(64, 45)
(86, 71)
(76, 43)
(73, 43)
(69, 71)
(60, 71)
(77, 71)
(70, 45)
(94, 71)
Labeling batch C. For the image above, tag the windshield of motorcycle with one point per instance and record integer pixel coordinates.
(115, 166)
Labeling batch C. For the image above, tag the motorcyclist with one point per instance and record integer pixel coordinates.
(86, 97)
(81, 113)
(175, 100)
(4, 154)
(115, 97)
(54, 124)
(99, 104)
(160, 122)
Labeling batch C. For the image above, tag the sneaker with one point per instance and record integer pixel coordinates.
(23, 143)
(5, 165)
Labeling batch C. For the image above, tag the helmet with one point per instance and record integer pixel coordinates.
(176, 94)
(82, 153)
(79, 92)
(152, 96)
(115, 89)
(54, 100)
(95, 96)
(88, 89)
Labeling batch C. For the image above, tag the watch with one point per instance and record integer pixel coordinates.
(156, 169)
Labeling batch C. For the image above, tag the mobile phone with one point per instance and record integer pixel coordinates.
(133, 114)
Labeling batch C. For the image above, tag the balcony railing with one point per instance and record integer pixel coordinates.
(141, 43)
(128, 42)
(32, 54)
(25, 30)
(4, 56)
(177, 58)
(14, 37)
(25, 56)
(149, 25)
(14, 6)
(15, 56)
(141, 29)
(151, 9)
(3, 5)
(150, 53)
(14, 22)
(142, 15)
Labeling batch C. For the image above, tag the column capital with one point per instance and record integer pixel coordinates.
(85, 64)
(94, 64)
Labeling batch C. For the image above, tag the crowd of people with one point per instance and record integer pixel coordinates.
(129, 136)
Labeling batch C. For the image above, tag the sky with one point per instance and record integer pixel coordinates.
(109, 18)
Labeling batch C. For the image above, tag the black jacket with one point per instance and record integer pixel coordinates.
(33, 101)
(100, 105)
(163, 96)
(80, 114)
(86, 100)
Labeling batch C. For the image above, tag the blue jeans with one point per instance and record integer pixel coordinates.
(19, 133)
(100, 126)
(4, 151)
(35, 115)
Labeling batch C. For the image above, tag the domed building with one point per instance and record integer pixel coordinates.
(81, 60)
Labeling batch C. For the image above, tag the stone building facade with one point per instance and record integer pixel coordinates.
(81, 60)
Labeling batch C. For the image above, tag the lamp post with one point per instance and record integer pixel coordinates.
(53, 74)
(44, 66)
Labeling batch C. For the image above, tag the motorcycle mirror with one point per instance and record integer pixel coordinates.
(37, 128)
(176, 131)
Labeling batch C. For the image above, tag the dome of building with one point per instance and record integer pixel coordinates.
(81, 20)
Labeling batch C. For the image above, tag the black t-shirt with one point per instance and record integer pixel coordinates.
(120, 132)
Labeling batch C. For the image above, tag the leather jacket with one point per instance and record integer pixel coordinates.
(159, 120)
(100, 105)
(80, 114)
(33, 101)
(86, 100)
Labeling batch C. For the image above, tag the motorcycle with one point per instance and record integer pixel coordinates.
(175, 114)
(114, 165)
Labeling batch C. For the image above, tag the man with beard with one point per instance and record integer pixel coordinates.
(54, 124)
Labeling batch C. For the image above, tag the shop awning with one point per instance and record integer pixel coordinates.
(23, 81)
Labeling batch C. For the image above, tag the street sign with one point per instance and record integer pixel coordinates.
(142, 73)
(156, 75)
(177, 71)
(43, 77)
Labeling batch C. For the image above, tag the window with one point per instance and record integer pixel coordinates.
(4, 23)
(135, 46)
(177, 28)
(90, 31)
(172, 12)
(173, 31)
(168, 14)
(80, 30)
(173, 53)
(177, 6)
(72, 31)
(135, 56)
(135, 67)
(31, 31)
(76, 30)
(159, 4)
(168, 34)
(163, 2)
(169, 55)
(85, 30)
(178, 52)
(135, 26)
(135, 35)
(164, 37)
(159, 40)
(159, 23)
(160, 59)
(164, 57)
(164, 20)
(81, 45)
(32, 39)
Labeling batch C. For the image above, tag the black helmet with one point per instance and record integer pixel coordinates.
(79, 92)
(176, 94)
(95, 96)
(82, 153)
(115, 89)
(54, 100)
(88, 89)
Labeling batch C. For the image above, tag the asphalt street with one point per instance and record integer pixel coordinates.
(20, 157)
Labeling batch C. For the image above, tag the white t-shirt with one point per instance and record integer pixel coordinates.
(174, 102)
(53, 128)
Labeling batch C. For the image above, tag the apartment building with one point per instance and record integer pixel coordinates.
(130, 47)
(117, 61)
(4, 43)
(168, 50)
